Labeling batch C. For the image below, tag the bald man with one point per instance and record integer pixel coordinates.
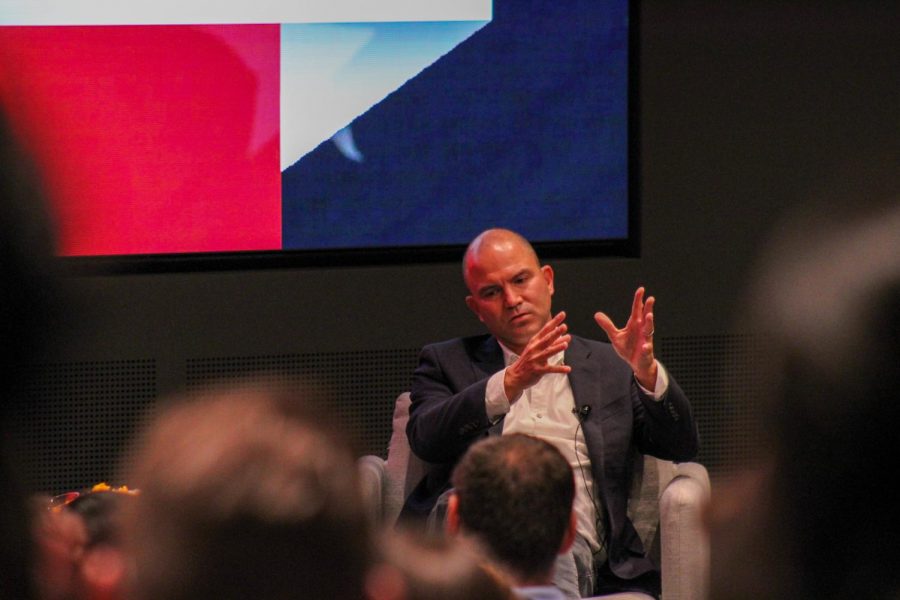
(596, 402)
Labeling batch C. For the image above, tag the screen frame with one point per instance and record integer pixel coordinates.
(629, 247)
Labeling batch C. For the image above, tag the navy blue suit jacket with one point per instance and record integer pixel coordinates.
(447, 415)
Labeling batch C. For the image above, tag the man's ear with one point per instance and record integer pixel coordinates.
(473, 306)
(547, 272)
(452, 524)
(569, 536)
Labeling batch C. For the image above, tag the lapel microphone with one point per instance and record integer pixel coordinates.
(582, 412)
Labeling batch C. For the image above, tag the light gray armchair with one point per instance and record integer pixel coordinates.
(665, 507)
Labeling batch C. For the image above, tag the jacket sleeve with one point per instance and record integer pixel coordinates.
(665, 428)
(447, 411)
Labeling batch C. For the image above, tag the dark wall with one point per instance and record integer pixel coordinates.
(747, 109)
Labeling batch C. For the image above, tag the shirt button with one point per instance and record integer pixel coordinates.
(540, 416)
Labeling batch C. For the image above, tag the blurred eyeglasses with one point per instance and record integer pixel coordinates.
(56, 503)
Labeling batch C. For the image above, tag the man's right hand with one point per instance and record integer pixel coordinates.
(532, 364)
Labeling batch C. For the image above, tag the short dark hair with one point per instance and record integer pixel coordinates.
(515, 495)
(246, 493)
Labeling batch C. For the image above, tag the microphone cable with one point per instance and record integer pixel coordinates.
(597, 513)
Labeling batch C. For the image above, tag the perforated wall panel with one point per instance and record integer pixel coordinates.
(76, 418)
(718, 373)
(362, 385)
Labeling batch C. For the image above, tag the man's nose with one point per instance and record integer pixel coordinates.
(512, 297)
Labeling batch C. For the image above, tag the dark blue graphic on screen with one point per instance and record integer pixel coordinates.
(523, 125)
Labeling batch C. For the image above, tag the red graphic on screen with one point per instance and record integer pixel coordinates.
(151, 139)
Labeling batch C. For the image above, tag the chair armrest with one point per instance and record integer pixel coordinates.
(372, 480)
(684, 538)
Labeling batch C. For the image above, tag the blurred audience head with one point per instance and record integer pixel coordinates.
(79, 554)
(245, 493)
(513, 494)
(815, 517)
(101, 508)
(412, 565)
(101, 571)
(60, 538)
(29, 311)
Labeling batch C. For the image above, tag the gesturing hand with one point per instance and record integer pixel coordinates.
(532, 364)
(634, 343)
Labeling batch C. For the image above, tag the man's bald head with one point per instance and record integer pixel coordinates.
(496, 239)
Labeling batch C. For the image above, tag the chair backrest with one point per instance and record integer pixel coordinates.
(404, 470)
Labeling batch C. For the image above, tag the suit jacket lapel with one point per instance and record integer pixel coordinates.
(584, 374)
(588, 379)
(593, 383)
(487, 358)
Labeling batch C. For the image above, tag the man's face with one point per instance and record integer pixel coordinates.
(510, 291)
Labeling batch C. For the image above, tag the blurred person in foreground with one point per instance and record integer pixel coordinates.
(596, 402)
(60, 537)
(413, 566)
(245, 493)
(815, 515)
(101, 568)
(30, 311)
(513, 494)
(78, 544)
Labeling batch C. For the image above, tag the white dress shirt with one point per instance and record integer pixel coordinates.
(545, 410)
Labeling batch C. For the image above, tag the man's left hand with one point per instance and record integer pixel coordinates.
(634, 342)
